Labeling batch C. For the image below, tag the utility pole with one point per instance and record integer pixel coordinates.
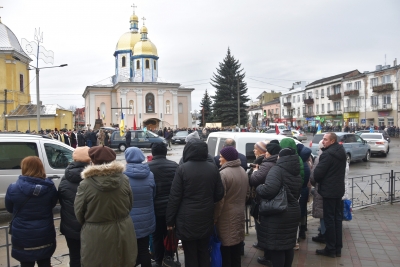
(5, 109)
(238, 99)
(203, 124)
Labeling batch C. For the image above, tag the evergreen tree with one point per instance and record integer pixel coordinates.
(225, 81)
(205, 104)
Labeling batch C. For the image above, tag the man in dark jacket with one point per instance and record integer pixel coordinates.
(243, 159)
(330, 174)
(81, 139)
(164, 173)
(128, 138)
(196, 187)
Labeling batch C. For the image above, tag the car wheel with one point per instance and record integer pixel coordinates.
(122, 147)
(367, 156)
(348, 158)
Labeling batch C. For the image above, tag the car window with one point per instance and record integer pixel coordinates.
(12, 153)
(212, 143)
(150, 134)
(317, 138)
(58, 156)
(371, 136)
(350, 138)
(117, 137)
(221, 144)
(181, 134)
(249, 152)
(358, 139)
(140, 135)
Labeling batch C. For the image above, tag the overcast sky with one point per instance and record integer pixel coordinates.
(277, 42)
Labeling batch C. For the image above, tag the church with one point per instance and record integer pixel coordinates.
(136, 91)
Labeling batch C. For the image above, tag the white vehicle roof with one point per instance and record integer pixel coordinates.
(246, 135)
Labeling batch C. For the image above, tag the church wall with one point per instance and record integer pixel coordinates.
(124, 71)
(106, 99)
(183, 117)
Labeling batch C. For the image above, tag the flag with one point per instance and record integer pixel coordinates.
(121, 125)
(134, 122)
(319, 130)
(276, 129)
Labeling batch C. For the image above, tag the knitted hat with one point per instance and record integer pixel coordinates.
(81, 154)
(274, 142)
(273, 148)
(159, 149)
(261, 146)
(102, 154)
(194, 135)
(287, 152)
(229, 153)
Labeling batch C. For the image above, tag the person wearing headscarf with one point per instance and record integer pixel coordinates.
(277, 233)
(228, 214)
(143, 188)
(102, 205)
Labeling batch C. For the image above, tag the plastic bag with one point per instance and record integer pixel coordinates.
(347, 210)
(215, 250)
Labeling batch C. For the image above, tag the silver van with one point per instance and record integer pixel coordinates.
(15, 147)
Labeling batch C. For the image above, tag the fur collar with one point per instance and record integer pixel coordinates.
(103, 170)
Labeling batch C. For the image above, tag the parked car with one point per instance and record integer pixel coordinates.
(270, 131)
(139, 138)
(287, 133)
(180, 137)
(377, 142)
(299, 135)
(356, 148)
(385, 134)
(110, 129)
(15, 147)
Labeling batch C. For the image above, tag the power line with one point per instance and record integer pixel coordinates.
(267, 83)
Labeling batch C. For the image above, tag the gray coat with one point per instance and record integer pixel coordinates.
(317, 208)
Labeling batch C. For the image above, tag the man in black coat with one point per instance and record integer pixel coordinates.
(164, 173)
(330, 174)
(243, 159)
(81, 139)
(196, 187)
(128, 137)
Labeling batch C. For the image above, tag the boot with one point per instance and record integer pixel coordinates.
(302, 233)
(319, 238)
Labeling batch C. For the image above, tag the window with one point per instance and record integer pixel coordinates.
(317, 109)
(137, 64)
(304, 110)
(149, 103)
(298, 98)
(294, 99)
(304, 97)
(12, 153)
(147, 64)
(328, 91)
(348, 86)
(180, 108)
(212, 144)
(283, 112)
(322, 93)
(328, 107)
(59, 157)
(381, 121)
(385, 79)
(123, 61)
(316, 93)
(336, 89)
(386, 100)
(350, 138)
(322, 108)
(374, 81)
(310, 110)
(155, 64)
(167, 107)
(309, 95)
(131, 108)
(288, 99)
(298, 112)
(358, 102)
(249, 152)
(21, 83)
(374, 100)
(357, 85)
(390, 121)
(336, 105)
(276, 111)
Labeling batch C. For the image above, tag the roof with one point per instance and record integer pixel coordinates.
(30, 110)
(297, 90)
(9, 42)
(342, 75)
(275, 101)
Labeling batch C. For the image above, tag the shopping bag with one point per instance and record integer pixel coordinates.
(347, 210)
(171, 241)
(215, 250)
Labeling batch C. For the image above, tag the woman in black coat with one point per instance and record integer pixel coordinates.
(277, 233)
(69, 226)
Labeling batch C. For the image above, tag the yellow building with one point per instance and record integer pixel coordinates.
(14, 74)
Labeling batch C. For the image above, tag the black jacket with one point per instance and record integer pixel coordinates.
(243, 161)
(128, 137)
(278, 232)
(164, 173)
(330, 171)
(196, 187)
(69, 226)
(81, 139)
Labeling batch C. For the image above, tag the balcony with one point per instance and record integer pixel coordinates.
(335, 112)
(382, 88)
(334, 97)
(352, 109)
(287, 116)
(309, 101)
(287, 104)
(308, 114)
(351, 93)
(382, 107)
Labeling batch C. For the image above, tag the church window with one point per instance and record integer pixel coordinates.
(155, 64)
(131, 108)
(21, 82)
(149, 103)
(180, 108)
(147, 64)
(168, 107)
(103, 111)
(123, 61)
(137, 64)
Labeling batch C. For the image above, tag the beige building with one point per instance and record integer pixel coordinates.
(136, 91)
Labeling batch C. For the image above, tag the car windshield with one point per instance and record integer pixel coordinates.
(371, 136)
(181, 133)
(150, 134)
(317, 138)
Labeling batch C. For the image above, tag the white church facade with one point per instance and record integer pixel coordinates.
(136, 91)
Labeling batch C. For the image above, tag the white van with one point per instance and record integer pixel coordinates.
(281, 126)
(244, 142)
(15, 147)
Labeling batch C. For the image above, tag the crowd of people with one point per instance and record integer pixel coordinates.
(113, 213)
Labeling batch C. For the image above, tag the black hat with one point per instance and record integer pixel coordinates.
(287, 152)
(273, 149)
(159, 149)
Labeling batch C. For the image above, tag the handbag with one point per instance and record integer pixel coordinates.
(347, 216)
(171, 245)
(274, 206)
(13, 217)
(215, 250)
(169, 261)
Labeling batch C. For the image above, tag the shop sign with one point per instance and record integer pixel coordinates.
(383, 113)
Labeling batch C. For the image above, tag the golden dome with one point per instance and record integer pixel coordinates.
(128, 41)
(134, 18)
(143, 29)
(145, 48)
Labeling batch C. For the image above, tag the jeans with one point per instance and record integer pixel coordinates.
(74, 247)
(231, 255)
(143, 257)
(196, 252)
(333, 216)
(40, 263)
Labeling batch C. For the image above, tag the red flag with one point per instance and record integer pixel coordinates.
(134, 122)
(276, 129)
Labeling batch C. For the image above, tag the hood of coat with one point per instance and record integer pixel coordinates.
(137, 170)
(134, 155)
(304, 152)
(288, 142)
(335, 150)
(290, 164)
(272, 158)
(73, 171)
(30, 185)
(105, 177)
(232, 163)
(195, 150)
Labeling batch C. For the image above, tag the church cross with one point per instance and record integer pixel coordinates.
(133, 6)
(0, 16)
(144, 20)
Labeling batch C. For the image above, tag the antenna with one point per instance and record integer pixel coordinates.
(385, 59)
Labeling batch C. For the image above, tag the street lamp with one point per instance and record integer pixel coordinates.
(37, 92)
